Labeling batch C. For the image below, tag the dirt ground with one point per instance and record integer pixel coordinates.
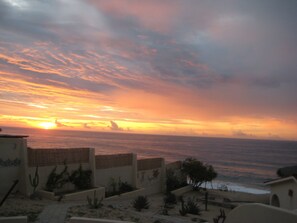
(17, 205)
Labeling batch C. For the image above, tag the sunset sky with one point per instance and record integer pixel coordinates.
(193, 67)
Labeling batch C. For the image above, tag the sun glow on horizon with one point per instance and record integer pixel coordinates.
(47, 125)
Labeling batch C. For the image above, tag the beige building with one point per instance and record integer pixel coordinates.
(284, 192)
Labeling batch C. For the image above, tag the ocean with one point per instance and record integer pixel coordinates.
(242, 164)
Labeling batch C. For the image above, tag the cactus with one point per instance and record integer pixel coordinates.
(193, 207)
(221, 218)
(141, 202)
(94, 203)
(184, 210)
(34, 181)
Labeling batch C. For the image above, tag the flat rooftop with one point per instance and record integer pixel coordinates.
(12, 136)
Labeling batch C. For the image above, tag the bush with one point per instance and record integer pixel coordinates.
(94, 203)
(118, 187)
(174, 182)
(81, 178)
(141, 202)
(125, 187)
(57, 181)
(193, 207)
(169, 199)
(183, 211)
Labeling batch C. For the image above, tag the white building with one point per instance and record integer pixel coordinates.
(260, 213)
(12, 152)
(284, 192)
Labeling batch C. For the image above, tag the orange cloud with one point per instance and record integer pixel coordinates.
(170, 67)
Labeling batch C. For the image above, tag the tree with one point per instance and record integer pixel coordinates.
(210, 174)
(198, 172)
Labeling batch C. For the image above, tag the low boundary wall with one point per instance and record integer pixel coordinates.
(182, 190)
(128, 195)
(17, 219)
(80, 195)
(92, 220)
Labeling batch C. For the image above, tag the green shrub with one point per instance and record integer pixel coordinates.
(81, 178)
(193, 207)
(165, 211)
(184, 210)
(34, 181)
(141, 202)
(125, 187)
(94, 203)
(118, 187)
(174, 182)
(57, 180)
(169, 199)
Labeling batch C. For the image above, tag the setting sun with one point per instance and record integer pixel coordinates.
(47, 125)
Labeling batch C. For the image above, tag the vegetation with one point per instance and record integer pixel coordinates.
(118, 187)
(169, 200)
(164, 211)
(198, 172)
(113, 185)
(57, 181)
(191, 207)
(287, 171)
(81, 178)
(94, 203)
(221, 218)
(141, 202)
(183, 211)
(174, 182)
(125, 187)
(34, 181)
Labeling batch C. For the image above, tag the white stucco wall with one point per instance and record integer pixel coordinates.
(44, 172)
(260, 213)
(104, 176)
(151, 180)
(114, 167)
(282, 191)
(151, 175)
(11, 162)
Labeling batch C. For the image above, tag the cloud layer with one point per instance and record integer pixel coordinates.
(178, 67)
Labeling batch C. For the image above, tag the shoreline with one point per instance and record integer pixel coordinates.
(235, 187)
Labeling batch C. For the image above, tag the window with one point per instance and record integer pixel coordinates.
(275, 201)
